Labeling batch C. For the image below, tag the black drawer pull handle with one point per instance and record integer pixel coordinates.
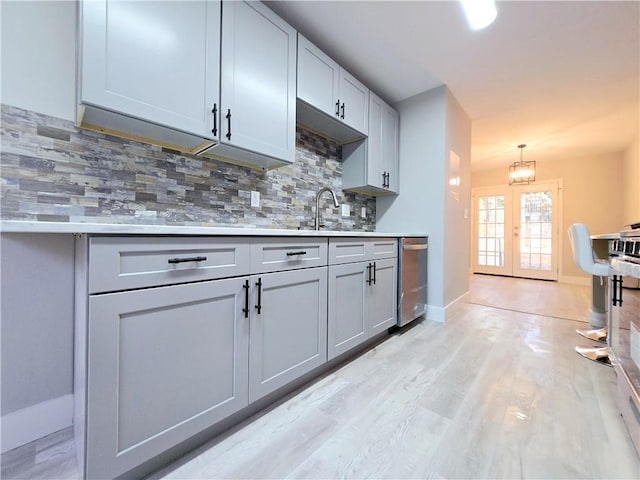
(342, 107)
(246, 299)
(338, 108)
(187, 259)
(291, 254)
(369, 266)
(228, 124)
(374, 273)
(259, 285)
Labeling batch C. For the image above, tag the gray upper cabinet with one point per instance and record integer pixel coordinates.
(150, 70)
(258, 86)
(354, 102)
(202, 77)
(332, 101)
(371, 166)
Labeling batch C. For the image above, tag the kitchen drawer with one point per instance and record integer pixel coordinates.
(348, 250)
(124, 263)
(276, 254)
(383, 248)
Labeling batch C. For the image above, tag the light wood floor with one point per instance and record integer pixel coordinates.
(553, 299)
(491, 393)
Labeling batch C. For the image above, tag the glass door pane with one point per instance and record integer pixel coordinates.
(491, 253)
(535, 232)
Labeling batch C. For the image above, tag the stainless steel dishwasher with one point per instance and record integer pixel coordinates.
(412, 278)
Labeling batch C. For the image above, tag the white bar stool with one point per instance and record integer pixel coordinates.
(583, 257)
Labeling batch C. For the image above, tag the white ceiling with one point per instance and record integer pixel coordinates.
(561, 76)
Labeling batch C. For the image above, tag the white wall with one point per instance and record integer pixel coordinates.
(431, 123)
(38, 56)
(631, 183)
(456, 226)
(38, 61)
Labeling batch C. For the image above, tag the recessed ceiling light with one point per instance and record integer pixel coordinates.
(479, 13)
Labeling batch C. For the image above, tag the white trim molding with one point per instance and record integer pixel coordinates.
(34, 422)
(440, 314)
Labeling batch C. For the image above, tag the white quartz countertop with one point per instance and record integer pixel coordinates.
(626, 268)
(18, 226)
(606, 236)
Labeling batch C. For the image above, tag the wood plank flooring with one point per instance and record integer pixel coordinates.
(491, 393)
(553, 299)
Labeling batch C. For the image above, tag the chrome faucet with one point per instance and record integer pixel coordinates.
(335, 204)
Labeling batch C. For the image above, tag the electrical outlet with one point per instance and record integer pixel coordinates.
(363, 212)
(346, 210)
(255, 199)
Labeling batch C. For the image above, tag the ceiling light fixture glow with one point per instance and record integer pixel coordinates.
(479, 13)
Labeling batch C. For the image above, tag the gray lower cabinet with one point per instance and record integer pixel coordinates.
(348, 293)
(362, 295)
(383, 296)
(288, 328)
(163, 364)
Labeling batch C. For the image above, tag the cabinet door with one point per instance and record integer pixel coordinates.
(347, 324)
(354, 102)
(389, 146)
(375, 176)
(156, 61)
(288, 330)
(163, 364)
(383, 296)
(318, 77)
(258, 83)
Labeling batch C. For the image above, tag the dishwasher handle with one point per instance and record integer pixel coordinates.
(413, 246)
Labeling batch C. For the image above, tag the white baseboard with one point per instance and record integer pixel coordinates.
(439, 314)
(34, 422)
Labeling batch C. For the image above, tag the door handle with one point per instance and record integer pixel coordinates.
(259, 305)
(214, 110)
(338, 108)
(246, 299)
(342, 107)
(374, 273)
(369, 274)
(228, 124)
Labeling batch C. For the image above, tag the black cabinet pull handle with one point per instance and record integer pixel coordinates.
(228, 124)
(338, 108)
(374, 273)
(259, 285)
(387, 185)
(291, 254)
(342, 107)
(369, 274)
(615, 300)
(246, 299)
(620, 291)
(187, 259)
(384, 179)
(215, 119)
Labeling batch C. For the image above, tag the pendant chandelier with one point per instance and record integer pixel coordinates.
(522, 172)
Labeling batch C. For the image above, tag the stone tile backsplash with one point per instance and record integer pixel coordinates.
(51, 170)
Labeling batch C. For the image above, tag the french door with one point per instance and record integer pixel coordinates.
(515, 230)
